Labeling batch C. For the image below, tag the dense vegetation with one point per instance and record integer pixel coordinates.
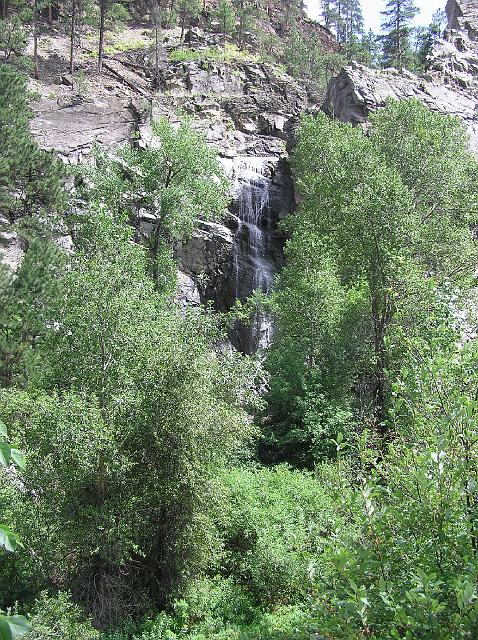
(155, 485)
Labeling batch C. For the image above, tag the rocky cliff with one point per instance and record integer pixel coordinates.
(247, 110)
(450, 85)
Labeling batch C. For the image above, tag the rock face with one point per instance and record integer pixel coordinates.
(450, 85)
(72, 126)
(463, 16)
(247, 112)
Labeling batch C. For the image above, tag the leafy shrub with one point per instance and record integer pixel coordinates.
(56, 617)
(228, 53)
(276, 524)
(220, 609)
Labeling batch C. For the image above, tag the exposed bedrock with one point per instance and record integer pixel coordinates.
(245, 110)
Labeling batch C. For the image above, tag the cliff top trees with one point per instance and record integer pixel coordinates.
(398, 16)
(224, 14)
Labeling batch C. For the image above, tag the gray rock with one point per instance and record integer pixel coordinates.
(11, 248)
(73, 129)
(450, 85)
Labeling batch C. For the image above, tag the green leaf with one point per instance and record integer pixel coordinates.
(18, 457)
(5, 453)
(13, 627)
(8, 540)
(3, 429)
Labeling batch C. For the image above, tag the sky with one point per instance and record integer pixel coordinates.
(372, 8)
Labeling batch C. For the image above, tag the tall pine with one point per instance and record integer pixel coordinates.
(398, 16)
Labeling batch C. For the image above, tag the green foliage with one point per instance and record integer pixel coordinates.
(218, 608)
(427, 38)
(373, 254)
(398, 15)
(10, 626)
(13, 40)
(127, 418)
(224, 14)
(410, 569)
(58, 617)
(228, 53)
(177, 179)
(275, 526)
(305, 58)
(188, 11)
(29, 177)
(117, 15)
(346, 19)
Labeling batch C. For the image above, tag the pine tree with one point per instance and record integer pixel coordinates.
(247, 11)
(345, 18)
(226, 17)
(429, 36)
(327, 12)
(103, 10)
(398, 16)
(29, 177)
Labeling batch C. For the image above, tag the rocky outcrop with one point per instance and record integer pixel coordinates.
(358, 90)
(463, 16)
(247, 111)
(11, 247)
(73, 125)
(450, 85)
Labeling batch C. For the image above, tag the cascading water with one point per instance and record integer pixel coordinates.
(254, 267)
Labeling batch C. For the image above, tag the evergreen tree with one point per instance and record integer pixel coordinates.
(327, 12)
(247, 12)
(226, 17)
(398, 16)
(103, 5)
(188, 10)
(29, 177)
(430, 36)
(345, 18)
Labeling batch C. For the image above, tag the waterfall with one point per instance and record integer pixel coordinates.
(254, 267)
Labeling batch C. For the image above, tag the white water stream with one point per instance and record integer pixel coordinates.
(254, 267)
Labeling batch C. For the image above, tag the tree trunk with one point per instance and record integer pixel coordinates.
(156, 20)
(50, 13)
(380, 319)
(183, 25)
(72, 36)
(4, 9)
(241, 25)
(36, 71)
(103, 7)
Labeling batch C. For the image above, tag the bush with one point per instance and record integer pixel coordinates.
(220, 609)
(228, 53)
(56, 617)
(276, 524)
